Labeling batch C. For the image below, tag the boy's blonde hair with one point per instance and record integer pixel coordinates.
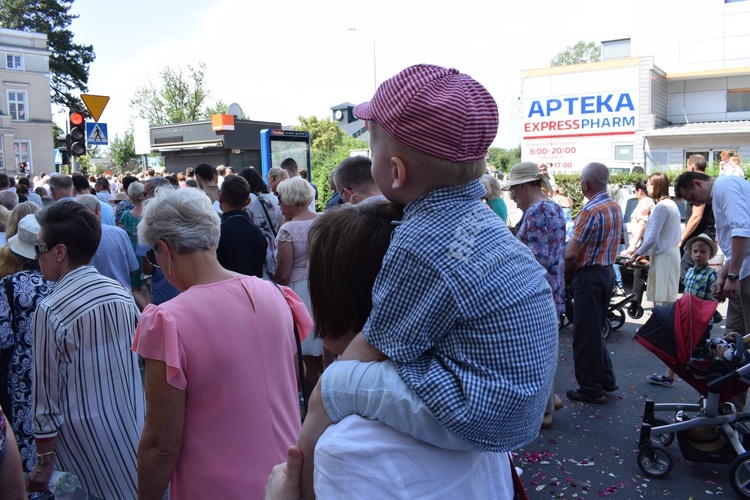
(433, 171)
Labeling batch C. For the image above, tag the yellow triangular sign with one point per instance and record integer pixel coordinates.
(95, 104)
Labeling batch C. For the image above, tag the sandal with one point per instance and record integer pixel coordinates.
(661, 380)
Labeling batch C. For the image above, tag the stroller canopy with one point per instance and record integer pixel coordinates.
(673, 331)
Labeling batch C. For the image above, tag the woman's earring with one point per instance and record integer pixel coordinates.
(169, 270)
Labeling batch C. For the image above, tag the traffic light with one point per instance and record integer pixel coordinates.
(77, 145)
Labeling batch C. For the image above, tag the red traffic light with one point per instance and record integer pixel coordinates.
(76, 119)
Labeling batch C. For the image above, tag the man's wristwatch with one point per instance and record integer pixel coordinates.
(732, 277)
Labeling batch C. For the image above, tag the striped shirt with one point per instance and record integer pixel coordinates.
(698, 281)
(598, 227)
(87, 387)
(465, 313)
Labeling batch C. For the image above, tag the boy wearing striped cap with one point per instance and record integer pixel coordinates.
(461, 345)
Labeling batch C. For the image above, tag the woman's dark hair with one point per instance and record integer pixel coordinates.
(641, 186)
(255, 180)
(75, 226)
(127, 181)
(347, 246)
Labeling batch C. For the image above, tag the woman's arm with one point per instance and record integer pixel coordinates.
(284, 258)
(11, 471)
(653, 229)
(161, 441)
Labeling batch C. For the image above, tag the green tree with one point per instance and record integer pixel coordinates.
(503, 159)
(220, 107)
(325, 135)
(325, 161)
(122, 152)
(178, 98)
(69, 62)
(581, 52)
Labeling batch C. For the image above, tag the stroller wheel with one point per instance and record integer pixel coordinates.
(662, 439)
(635, 311)
(655, 461)
(617, 318)
(606, 328)
(739, 475)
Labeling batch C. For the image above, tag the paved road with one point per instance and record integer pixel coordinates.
(590, 451)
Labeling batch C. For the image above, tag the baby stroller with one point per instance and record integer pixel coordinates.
(632, 301)
(710, 430)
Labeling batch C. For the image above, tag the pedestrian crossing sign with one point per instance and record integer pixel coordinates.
(96, 134)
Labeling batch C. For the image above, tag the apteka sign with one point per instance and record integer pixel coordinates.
(580, 116)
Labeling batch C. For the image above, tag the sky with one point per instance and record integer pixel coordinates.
(282, 60)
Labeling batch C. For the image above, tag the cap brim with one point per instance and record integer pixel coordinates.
(364, 111)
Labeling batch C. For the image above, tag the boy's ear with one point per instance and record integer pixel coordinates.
(398, 172)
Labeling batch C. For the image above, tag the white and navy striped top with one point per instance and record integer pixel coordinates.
(87, 386)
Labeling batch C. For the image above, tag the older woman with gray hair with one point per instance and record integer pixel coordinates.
(494, 196)
(129, 222)
(221, 393)
(295, 196)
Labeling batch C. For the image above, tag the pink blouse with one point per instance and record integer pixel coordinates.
(230, 346)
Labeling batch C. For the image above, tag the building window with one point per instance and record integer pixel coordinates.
(23, 153)
(2, 159)
(624, 152)
(738, 100)
(17, 105)
(14, 61)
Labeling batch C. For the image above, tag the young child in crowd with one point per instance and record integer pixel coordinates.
(698, 281)
(461, 345)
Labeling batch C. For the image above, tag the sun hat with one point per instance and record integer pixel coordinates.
(24, 240)
(521, 173)
(435, 110)
(704, 238)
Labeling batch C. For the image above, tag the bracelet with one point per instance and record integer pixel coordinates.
(44, 458)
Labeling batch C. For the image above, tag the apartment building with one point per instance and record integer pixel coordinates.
(25, 103)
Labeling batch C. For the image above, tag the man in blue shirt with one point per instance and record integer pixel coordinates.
(115, 257)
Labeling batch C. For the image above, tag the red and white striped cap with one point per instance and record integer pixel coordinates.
(435, 110)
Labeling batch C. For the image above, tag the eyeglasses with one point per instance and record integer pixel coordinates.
(151, 257)
(43, 248)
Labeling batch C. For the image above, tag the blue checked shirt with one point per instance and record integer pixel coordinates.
(465, 313)
(698, 281)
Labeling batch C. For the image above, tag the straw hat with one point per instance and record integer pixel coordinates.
(522, 173)
(24, 240)
(704, 238)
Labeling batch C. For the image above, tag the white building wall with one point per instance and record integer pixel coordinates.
(34, 79)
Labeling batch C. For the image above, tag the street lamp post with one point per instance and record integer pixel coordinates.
(374, 60)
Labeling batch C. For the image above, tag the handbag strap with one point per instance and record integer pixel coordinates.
(300, 361)
(268, 217)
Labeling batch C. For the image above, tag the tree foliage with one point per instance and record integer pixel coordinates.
(220, 107)
(69, 62)
(177, 98)
(326, 160)
(581, 52)
(325, 135)
(503, 159)
(122, 151)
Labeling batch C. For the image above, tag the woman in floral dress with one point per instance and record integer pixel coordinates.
(543, 231)
(19, 295)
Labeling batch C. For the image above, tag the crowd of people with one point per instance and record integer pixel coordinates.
(349, 341)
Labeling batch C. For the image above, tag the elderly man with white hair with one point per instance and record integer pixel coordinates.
(115, 257)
